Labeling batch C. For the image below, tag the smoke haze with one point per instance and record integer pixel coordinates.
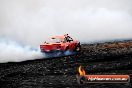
(32, 21)
(12, 51)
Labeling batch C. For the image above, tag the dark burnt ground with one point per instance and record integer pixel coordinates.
(99, 58)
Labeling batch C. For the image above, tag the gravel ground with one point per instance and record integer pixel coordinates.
(97, 58)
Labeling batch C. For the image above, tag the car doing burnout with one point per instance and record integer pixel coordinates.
(60, 43)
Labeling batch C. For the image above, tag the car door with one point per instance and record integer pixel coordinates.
(71, 43)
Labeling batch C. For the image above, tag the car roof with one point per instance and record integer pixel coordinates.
(61, 36)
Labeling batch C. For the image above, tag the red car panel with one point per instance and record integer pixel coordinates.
(61, 43)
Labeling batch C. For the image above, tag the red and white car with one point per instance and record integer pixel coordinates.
(60, 43)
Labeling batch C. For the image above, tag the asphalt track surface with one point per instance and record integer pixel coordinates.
(97, 58)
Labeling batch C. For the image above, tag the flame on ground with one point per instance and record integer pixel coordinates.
(81, 71)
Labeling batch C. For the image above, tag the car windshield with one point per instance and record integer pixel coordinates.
(54, 40)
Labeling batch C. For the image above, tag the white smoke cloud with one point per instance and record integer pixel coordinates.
(32, 21)
(14, 52)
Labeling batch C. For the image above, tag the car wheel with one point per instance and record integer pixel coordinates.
(67, 48)
(78, 48)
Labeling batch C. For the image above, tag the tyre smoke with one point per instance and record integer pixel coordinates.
(12, 51)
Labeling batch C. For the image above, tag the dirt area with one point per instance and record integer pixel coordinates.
(96, 58)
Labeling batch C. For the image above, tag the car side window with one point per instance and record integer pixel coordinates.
(68, 39)
(65, 39)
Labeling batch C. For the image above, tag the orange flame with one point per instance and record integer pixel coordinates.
(81, 71)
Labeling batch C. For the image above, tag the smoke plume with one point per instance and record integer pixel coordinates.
(12, 51)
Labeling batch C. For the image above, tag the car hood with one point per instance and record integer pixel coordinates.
(52, 44)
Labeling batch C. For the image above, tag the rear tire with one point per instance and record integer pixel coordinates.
(78, 48)
(67, 48)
